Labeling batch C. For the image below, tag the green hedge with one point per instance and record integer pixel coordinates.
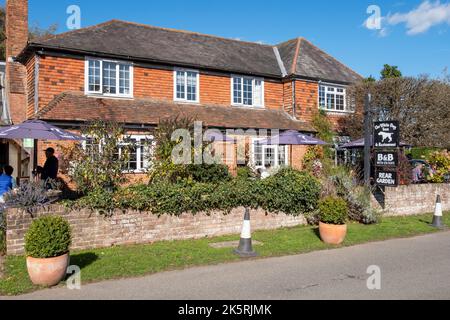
(289, 191)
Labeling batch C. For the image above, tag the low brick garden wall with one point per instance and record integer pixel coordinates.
(92, 230)
(412, 199)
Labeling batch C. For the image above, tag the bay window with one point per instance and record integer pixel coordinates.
(186, 85)
(109, 78)
(247, 91)
(333, 98)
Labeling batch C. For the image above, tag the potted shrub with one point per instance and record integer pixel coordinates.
(47, 245)
(333, 216)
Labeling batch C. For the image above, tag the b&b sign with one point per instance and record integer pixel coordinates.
(386, 159)
(386, 178)
(386, 134)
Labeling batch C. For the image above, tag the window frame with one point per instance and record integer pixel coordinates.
(253, 79)
(335, 93)
(147, 162)
(197, 93)
(101, 93)
(276, 147)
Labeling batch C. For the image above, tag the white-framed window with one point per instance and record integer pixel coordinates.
(109, 78)
(269, 155)
(140, 147)
(186, 85)
(247, 91)
(333, 98)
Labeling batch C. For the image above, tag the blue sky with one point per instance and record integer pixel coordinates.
(414, 34)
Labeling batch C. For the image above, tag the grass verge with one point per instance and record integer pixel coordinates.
(139, 260)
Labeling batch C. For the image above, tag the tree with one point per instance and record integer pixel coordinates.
(421, 105)
(99, 164)
(389, 72)
(34, 32)
(370, 79)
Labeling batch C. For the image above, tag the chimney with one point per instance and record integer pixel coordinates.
(16, 26)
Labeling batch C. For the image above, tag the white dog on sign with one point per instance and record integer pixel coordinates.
(386, 136)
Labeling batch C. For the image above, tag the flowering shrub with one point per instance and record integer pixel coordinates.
(440, 162)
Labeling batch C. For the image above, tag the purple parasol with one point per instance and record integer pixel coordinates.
(37, 129)
(360, 144)
(293, 138)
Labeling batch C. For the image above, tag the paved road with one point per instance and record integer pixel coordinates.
(417, 268)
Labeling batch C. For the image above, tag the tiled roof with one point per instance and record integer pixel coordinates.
(76, 107)
(304, 59)
(182, 48)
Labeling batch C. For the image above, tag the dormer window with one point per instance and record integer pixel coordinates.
(109, 78)
(247, 91)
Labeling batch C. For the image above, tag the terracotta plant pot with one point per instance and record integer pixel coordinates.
(332, 233)
(47, 272)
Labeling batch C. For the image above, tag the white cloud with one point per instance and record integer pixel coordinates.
(419, 20)
(424, 17)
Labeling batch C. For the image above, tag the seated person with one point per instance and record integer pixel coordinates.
(417, 174)
(7, 182)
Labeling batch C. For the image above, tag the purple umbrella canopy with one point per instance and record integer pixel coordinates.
(360, 144)
(39, 130)
(293, 138)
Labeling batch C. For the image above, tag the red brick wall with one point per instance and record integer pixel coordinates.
(60, 74)
(153, 83)
(93, 230)
(16, 26)
(215, 89)
(57, 75)
(273, 95)
(306, 95)
(296, 155)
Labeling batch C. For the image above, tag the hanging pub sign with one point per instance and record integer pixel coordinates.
(386, 159)
(386, 178)
(386, 134)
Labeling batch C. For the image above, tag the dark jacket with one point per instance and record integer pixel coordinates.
(50, 169)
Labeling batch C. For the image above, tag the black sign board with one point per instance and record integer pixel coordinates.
(386, 178)
(386, 134)
(386, 159)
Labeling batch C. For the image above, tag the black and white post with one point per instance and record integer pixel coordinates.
(437, 218)
(245, 249)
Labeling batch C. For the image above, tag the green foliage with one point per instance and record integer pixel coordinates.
(245, 173)
(290, 191)
(98, 165)
(323, 126)
(287, 191)
(205, 173)
(389, 72)
(48, 237)
(370, 79)
(440, 161)
(422, 152)
(333, 210)
(342, 182)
